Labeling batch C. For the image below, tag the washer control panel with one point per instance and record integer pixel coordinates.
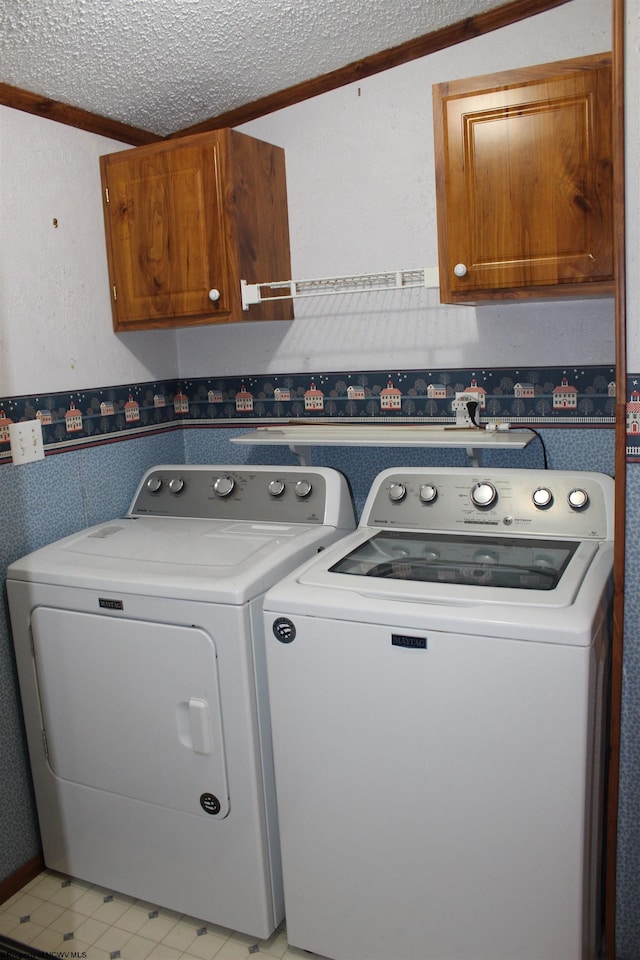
(264, 494)
(548, 503)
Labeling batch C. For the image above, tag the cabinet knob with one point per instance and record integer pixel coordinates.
(214, 294)
(460, 270)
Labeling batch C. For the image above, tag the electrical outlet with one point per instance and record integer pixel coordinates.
(26, 441)
(465, 406)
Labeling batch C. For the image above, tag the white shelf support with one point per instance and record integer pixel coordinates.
(327, 286)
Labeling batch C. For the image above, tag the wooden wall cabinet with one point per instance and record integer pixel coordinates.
(188, 216)
(524, 182)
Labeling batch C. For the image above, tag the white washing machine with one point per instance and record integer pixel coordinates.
(140, 653)
(438, 682)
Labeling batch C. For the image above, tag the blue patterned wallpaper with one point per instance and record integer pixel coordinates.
(628, 891)
(96, 483)
(543, 397)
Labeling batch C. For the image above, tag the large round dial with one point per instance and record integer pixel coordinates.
(397, 492)
(578, 498)
(154, 484)
(223, 486)
(483, 493)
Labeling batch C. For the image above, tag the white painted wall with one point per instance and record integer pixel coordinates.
(55, 314)
(361, 190)
(361, 198)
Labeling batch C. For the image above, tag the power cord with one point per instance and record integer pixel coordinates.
(544, 449)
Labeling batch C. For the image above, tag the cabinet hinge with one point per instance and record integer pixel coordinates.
(45, 744)
(106, 194)
(115, 292)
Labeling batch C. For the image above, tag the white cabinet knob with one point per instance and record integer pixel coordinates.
(460, 270)
(214, 295)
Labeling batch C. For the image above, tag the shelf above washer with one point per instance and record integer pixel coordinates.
(300, 438)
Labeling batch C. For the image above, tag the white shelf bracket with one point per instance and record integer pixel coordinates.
(303, 453)
(474, 456)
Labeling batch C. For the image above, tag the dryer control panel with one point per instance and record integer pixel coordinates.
(257, 493)
(546, 503)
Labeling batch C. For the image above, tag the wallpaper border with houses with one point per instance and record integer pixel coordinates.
(542, 397)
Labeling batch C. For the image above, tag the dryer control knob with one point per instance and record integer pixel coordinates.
(542, 498)
(303, 488)
(176, 485)
(154, 484)
(483, 493)
(428, 493)
(276, 488)
(578, 498)
(223, 486)
(397, 492)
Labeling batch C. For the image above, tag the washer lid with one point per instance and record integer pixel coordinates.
(454, 570)
(569, 613)
(436, 558)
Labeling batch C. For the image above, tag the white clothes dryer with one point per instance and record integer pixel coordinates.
(140, 653)
(438, 682)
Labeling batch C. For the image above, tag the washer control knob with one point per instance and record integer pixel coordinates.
(483, 493)
(303, 488)
(542, 498)
(276, 488)
(154, 484)
(428, 493)
(397, 492)
(578, 498)
(223, 486)
(176, 485)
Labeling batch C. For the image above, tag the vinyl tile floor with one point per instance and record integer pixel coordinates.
(74, 920)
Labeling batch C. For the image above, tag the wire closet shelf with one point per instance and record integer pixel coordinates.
(326, 286)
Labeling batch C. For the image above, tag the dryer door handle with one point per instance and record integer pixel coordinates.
(200, 725)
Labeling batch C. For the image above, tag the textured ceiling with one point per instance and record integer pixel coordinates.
(163, 65)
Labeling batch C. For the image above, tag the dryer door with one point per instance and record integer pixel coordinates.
(132, 707)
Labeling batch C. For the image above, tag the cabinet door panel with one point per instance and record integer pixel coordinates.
(524, 180)
(166, 220)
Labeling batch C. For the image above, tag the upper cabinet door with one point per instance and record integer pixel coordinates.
(186, 221)
(524, 182)
(167, 233)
